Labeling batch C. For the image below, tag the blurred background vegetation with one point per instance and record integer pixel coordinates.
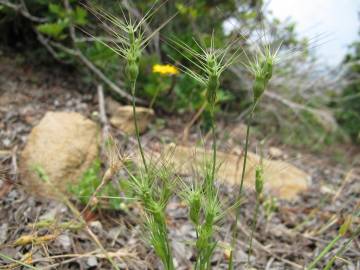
(304, 106)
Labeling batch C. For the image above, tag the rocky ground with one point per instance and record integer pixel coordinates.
(287, 237)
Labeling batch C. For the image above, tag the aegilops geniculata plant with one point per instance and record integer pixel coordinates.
(203, 201)
(261, 68)
(129, 42)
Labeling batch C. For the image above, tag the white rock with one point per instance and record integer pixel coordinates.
(92, 261)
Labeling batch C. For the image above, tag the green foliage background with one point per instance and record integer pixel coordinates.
(348, 104)
(88, 183)
(194, 20)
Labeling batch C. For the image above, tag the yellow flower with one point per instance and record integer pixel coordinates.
(165, 69)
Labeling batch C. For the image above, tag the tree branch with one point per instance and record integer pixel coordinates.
(50, 45)
(23, 11)
(96, 71)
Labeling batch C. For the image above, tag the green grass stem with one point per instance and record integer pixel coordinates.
(137, 133)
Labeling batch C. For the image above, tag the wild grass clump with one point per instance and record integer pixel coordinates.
(203, 200)
(211, 62)
(153, 188)
(205, 211)
(261, 68)
(154, 184)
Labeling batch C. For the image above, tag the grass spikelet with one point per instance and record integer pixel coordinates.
(261, 67)
(129, 41)
(210, 61)
(259, 186)
(153, 188)
(33, 239)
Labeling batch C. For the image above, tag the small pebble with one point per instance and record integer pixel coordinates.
(91, 261)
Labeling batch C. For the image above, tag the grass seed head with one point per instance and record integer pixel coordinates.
(210, 63)
(133, 54)
(157, 211)
(205, 233)
(262, 69)
(129, 38)
(132, 71)
(193, 196)
(259, 180)
(212, 88)
(212, 208)
(258, 87)
(194, 201)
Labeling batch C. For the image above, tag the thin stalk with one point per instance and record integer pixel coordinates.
(133, 87)
(205, 252)
(251, 114)
(323, 252)
(197, 238)
(4, 256)
(255, 218)
(208, 263)
(170, 261)
(237, 215)
(342, 249)
(213, 128)
(154, 98)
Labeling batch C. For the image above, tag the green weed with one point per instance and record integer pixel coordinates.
(87, 185)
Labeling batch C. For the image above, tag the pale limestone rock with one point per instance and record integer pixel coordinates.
(282, 179)
(122, 117)
(276, 152)
(63, 146)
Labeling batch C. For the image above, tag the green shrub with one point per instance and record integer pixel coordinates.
(348, 104)
(195, 20)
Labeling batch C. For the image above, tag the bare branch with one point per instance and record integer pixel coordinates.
(23, 11)
(321, 115)
(102, 113)
(50, 45)
(50, 49)
(96, 71)
(71, 25)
